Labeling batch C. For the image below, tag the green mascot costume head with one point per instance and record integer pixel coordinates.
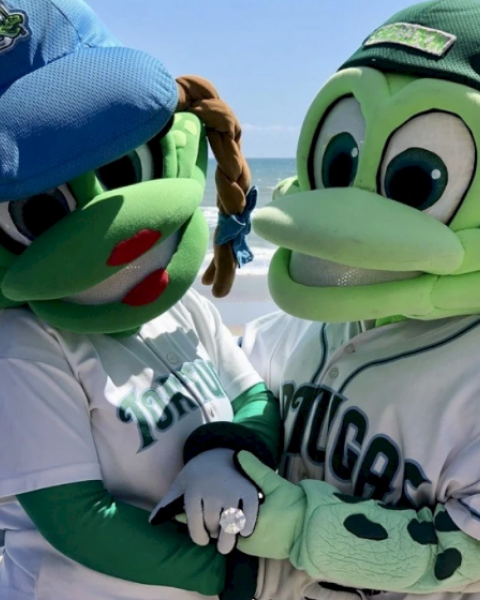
(100, 227)
(109, 362)
(383, 219)
(379, 494)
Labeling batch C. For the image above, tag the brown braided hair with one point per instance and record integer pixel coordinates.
(233, 179)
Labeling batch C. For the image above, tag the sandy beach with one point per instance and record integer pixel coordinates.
(248, 300)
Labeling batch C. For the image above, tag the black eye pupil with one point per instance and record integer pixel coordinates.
(33, 216)
(42, 212)
(411, 185)
(339, 174)
(340, 161)
(417, 178)
(121, 173)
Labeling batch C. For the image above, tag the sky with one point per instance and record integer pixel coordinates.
(267, 58)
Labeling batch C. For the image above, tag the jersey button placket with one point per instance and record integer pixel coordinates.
(172, 358)
(333, 373)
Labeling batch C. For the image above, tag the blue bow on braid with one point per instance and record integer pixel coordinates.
(236, 228)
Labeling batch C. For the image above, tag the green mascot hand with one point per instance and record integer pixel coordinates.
(281, 517)
(357, 542)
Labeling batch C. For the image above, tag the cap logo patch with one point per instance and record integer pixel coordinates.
(13, 28)
(423, 39)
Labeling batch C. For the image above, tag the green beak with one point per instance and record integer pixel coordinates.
(353, 227)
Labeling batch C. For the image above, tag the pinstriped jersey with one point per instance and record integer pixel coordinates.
(389, 413)
(79, 408)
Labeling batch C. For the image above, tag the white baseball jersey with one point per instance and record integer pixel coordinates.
(390, 413)
(90, 407)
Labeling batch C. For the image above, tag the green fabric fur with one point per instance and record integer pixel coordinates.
(286, 187)
(389, 320)
(330, 225)
(316, 223)
(362, 544)
(119, 317)
(73, 256)
(86, 524)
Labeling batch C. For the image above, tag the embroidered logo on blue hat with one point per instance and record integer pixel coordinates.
(13, 28)
(52, 47)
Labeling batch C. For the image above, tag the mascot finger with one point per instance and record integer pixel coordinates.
(266, 480)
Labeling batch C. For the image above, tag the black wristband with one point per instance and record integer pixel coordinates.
(232, 436)
(241, 577)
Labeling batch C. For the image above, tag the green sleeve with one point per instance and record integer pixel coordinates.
(259, 410)
(86, 524)
(257, 427)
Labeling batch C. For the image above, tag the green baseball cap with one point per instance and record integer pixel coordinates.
(439, 39)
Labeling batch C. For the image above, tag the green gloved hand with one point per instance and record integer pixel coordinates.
(281, 516)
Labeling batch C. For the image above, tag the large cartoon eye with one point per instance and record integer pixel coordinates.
(429, 164)
(143, 164)
(337, 145)
(21, 221)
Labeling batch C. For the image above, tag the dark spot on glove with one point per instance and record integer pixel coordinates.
(447, 563)
(444, 523)
(422, 533)
(365, 529)
(349, 499)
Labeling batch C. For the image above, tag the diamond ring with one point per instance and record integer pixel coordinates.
(233, 521)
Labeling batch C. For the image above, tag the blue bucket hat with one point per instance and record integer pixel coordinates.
(71, 97)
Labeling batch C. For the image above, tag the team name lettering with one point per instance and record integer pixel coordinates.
(371, 467)
(156, 410)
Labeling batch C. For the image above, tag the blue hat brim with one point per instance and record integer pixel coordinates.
(78, 113)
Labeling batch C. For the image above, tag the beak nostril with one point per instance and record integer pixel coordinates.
(129, 250)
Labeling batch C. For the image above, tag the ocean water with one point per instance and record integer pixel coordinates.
(266, 174)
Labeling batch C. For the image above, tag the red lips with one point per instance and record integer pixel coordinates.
(148, 290)
(125, 252)
(129, 250)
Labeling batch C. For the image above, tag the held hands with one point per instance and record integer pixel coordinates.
(220, 479)
(207, 486)
(281, 515)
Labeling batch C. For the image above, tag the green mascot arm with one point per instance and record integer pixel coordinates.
(86, 524)
(256, 427)
(286, 187)
(359, 543)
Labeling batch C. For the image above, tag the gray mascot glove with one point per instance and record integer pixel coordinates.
(207, 486)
